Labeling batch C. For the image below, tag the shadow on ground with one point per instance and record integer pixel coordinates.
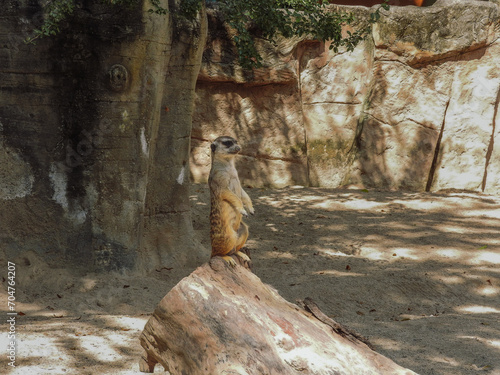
(416, 273)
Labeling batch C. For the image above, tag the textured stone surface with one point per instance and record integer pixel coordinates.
(16, 177)
(419, 36)
(333, 87)
(93, 143)
(223, 320)
(437, 73)
(403, 117)
(412, 108)
(260, 108)
(265, 121)
(469, 125)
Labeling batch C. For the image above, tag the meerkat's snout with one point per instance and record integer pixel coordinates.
(236, 149)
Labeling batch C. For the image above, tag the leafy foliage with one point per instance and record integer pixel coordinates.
(56, 11)
(248, 18)
(289, 18)
(157, 8)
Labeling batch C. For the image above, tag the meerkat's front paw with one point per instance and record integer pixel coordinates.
(251, 210)
(244, 212)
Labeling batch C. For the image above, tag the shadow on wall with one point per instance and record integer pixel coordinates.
(295, 129)
(397, 156)
(260, 108)
(333, 87)
(265, 121)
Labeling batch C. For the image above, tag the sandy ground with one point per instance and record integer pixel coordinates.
(418, 274)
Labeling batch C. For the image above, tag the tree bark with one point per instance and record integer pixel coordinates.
(223, 320)
(168, 232)
(94, 136)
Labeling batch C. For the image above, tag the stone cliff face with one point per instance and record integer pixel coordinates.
(415, 107)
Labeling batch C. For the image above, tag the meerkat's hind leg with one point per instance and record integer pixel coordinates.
(243, 256)
(244, 260)
(242, 239)
(229, 260)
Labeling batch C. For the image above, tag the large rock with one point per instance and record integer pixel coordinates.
(401, 125)
(333, 87)
(223, 320)
(436, 71)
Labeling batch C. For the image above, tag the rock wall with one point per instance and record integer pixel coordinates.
(414, 107)
(95, 124)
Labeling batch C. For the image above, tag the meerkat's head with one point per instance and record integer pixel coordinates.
(225, 146)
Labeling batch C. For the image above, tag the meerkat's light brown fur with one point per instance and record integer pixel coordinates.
(229, 202)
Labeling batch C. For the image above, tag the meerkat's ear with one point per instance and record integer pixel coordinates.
(213, 146)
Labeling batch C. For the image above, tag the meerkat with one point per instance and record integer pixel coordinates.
(229, 202)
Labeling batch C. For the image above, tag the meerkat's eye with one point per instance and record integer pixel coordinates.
(228, 143)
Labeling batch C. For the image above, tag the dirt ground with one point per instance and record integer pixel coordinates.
(416, 273)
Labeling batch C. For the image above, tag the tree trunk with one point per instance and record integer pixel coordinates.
(167, 220)
(223, 320)
(94, 135)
